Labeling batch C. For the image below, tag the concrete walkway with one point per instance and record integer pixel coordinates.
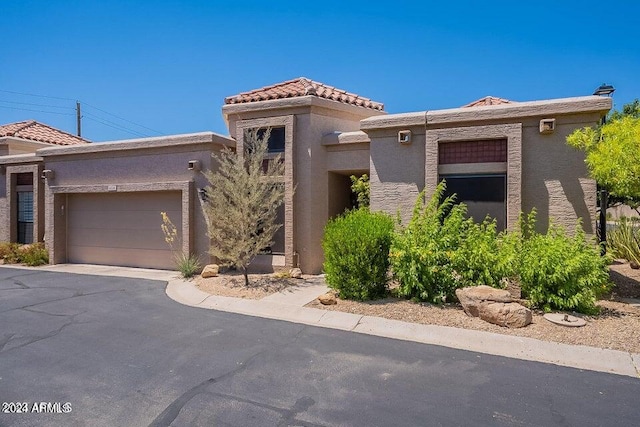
(288, 305)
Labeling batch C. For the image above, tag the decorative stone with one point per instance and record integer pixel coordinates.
(210, 270)
(634, 265)
(328, 299)
(296, 273)
(471, 297)
(564, 319)
(511, 315)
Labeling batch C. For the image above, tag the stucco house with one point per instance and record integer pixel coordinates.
(100, 203)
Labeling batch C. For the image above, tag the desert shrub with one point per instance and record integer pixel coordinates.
(624, 241)
(560, 272)
(188, 264)
(440, 251)
(34, 254)
(9, 252)
(356, 250)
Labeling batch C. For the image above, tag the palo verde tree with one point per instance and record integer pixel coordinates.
(613, 154)
(242, 201)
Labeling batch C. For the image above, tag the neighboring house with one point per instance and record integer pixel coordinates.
(103, 201)
(22, 190)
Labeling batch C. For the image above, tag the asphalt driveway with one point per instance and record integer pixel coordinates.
(120, 352)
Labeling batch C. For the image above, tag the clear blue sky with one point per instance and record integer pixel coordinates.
(167, 65)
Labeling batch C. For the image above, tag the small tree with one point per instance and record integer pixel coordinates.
(361, 187)
(242, 202)
(613, 155)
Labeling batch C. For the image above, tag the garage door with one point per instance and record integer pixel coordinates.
(121, 228)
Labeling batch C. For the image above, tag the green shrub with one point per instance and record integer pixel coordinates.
(560, 272)
(624, 241)
(188, 264)
(356, 250)
(440, 251)
(34, 254)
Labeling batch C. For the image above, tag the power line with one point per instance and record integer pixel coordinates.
(132, 132)
(37, 111)
(33, 94)
(37, 105)
(122, 118)
(95, 117)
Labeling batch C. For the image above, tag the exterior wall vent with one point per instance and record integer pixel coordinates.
(547, 125)
(404, 137)
(194, 165)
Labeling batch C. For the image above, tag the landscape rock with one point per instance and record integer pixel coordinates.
(634, 265)
(472, 297)
(210, 270)
(296, 273)
(328, 299)
(511, 314)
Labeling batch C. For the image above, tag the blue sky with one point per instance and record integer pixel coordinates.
(166, 66)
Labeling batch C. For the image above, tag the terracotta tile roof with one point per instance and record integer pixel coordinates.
(302, 87)
(488, 100)
(36, 131)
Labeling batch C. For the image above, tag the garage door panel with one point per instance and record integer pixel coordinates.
(121, 228)
(145, 258)
(135, 219)
(132, 239)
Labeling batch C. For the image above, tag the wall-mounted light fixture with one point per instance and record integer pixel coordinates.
(202, 192)
(404, 137)
(48, 174)
(547, 125)
(194, 165)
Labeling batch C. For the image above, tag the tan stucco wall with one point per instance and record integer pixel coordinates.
(542, 170)
(313, 118)
(151, 167)
(397, 171)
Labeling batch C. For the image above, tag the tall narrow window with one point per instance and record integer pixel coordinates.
(25, 216)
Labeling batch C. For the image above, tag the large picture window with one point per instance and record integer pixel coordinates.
(483, 194)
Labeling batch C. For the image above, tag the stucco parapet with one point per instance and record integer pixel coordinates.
(551, 107)
(141, 144)
(20, 159)
(345, 138)
(121, 188)
(394, 121)
(297, 102)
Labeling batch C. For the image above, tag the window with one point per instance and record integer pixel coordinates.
(25, 216)
(276, 139)
(483, 194)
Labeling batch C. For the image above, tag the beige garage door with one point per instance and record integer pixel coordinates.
(121, 228)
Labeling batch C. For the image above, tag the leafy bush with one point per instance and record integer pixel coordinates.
(33, 254)
(440, 251)
(559, 272)
(624, 241)
(361, 188)
(356, 249)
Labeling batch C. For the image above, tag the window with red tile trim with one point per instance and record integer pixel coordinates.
(485, 151)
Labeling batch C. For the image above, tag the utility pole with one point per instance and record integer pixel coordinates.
(78, 118)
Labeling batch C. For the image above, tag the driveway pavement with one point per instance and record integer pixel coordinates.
(121, 352)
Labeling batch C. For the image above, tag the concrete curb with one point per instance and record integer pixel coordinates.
(289, 306)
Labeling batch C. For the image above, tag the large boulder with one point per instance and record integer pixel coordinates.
(511, 314)
(471, 297)
(210, 270)
(493, 305)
